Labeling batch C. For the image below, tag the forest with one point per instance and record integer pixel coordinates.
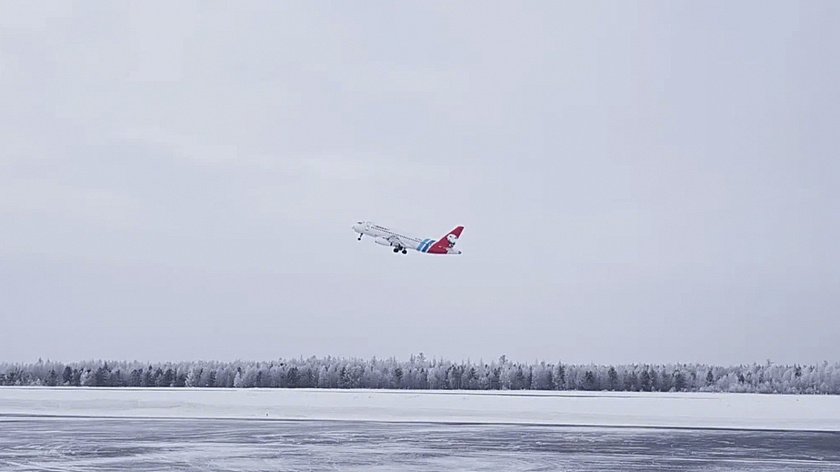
(421, 373)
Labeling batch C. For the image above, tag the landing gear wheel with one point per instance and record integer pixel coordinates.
(404, 251)
(396, 250)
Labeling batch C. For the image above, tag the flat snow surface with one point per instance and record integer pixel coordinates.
(225, 445)
(665, 410)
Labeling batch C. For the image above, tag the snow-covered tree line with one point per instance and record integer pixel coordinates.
(421, 373)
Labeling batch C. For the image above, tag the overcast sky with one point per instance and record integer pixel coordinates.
(639, 182)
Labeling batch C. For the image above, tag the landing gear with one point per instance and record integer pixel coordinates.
(396, 250)
(404, 251)
(360, 237)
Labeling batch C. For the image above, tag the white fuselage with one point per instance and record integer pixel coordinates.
(396, 239)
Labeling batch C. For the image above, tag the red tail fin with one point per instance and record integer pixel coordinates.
(446, 244)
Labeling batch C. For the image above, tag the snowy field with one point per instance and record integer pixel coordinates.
(674, 410)
(95, 444)
(81, 430)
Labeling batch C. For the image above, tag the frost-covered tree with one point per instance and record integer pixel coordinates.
(560, 377)
(612, 379)
(645, 383)
(420, 372)
(66, 375)
(679, 381)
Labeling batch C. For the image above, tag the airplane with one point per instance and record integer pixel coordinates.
(400, 242)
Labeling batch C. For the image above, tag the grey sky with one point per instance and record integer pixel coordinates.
(640, 182)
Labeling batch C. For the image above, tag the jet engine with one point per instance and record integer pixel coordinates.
(382, 241)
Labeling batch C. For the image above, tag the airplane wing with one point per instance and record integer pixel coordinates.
(396, 241)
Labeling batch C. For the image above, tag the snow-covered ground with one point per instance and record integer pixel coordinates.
(683, 410)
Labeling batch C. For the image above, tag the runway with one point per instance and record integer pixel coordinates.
(33, 443)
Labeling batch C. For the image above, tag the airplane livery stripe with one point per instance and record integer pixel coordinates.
(424, 246)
